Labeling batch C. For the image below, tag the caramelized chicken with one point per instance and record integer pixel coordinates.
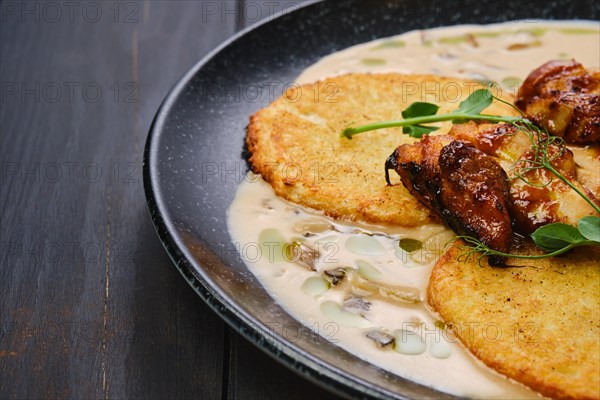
(464, 186)
(564, 98)
(475, 194)
(537, 196)
(418, 167)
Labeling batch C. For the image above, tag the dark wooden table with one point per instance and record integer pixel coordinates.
(90, 305)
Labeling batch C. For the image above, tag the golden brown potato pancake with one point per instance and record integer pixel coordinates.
(296, 146)
(538, 324)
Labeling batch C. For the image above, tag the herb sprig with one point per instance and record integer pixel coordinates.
(420, 113)
(556, 238)
(541, 142)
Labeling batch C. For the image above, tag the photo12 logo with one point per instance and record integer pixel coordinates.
(314, 172)
(68, 92)
(268, 91)
(53, 252)
(247, 12)
(71, 172)
(52, 12)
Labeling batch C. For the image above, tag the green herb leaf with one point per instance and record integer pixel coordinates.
(417, 131)
(556, 236)
(477, 101)
(590, 228)
(420, 109)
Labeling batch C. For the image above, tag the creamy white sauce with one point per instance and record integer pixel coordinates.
(502, 53)
(261, 223)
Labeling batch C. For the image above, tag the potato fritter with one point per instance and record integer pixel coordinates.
(538, 324)
(296, 146)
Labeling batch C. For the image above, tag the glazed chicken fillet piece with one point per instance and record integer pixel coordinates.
(465, 187)
(563, 98)
(537, 197)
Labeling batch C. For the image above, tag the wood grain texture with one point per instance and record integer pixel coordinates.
(268, 380)
(90, 305)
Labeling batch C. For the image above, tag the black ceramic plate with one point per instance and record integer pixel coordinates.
(194, 161)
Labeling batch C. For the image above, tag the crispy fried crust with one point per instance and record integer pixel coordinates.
(539, 324)
(419, 168)
(296, 146)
